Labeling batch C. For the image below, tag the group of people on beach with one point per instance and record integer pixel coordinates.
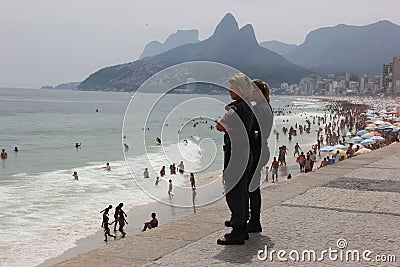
(345, 117)
(120, 219)
(173, 169)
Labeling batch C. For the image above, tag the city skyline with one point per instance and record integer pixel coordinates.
(48, 43)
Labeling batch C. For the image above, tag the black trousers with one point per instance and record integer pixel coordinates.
(236, 187)
(253, 198)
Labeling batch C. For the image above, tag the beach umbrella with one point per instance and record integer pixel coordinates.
(366, 136)
(362, 151)
(370, 128)
(359, 133)
(356, 139)
(340, 146)
(375, 133)
(341, 152)
(327, 149)
(379, 122)
(378, 138)
(395, 130)
(350, 134)
(392, 112)
(368, 142)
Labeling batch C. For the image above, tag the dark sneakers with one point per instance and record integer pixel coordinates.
(254, 227)
(236, 237)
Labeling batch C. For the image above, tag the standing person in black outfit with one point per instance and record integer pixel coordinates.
(260, 131)
(236, 124)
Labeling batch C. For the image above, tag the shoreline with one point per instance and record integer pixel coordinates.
(137, 215)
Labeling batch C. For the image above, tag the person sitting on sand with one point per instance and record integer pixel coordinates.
(152, 223)
(75, 175)
(324, 163)
(107, 167)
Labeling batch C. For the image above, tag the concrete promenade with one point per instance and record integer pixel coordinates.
(351, 207)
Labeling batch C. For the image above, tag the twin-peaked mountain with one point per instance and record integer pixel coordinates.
(228, 45)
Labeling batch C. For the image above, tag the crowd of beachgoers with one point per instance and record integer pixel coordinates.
(351, 128)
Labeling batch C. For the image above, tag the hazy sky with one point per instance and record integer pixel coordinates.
(47, 42)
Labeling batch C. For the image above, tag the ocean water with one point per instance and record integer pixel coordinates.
(44, 211)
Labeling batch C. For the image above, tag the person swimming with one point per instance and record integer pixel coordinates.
(77, 145)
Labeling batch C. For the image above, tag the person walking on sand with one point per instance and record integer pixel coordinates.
(302, 161)
(105, 213)
(192, 180)
(122, 221)
(106, 228)
(117, 213)
(170, 194)
(75, 175)
(274, 170)
(297, 149)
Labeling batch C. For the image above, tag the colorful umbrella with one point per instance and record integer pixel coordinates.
(359, 133)
(340, 146)
(366, 136)
(378, 138)
(368, 142)
(341, 152)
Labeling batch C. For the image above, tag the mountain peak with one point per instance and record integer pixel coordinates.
(227, 26)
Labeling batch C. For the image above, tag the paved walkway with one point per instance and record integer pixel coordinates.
(351, 207)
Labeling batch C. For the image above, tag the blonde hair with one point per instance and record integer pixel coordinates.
(241, 85)
(264, 88)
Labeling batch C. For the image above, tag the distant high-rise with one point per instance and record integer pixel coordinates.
(391, 76)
